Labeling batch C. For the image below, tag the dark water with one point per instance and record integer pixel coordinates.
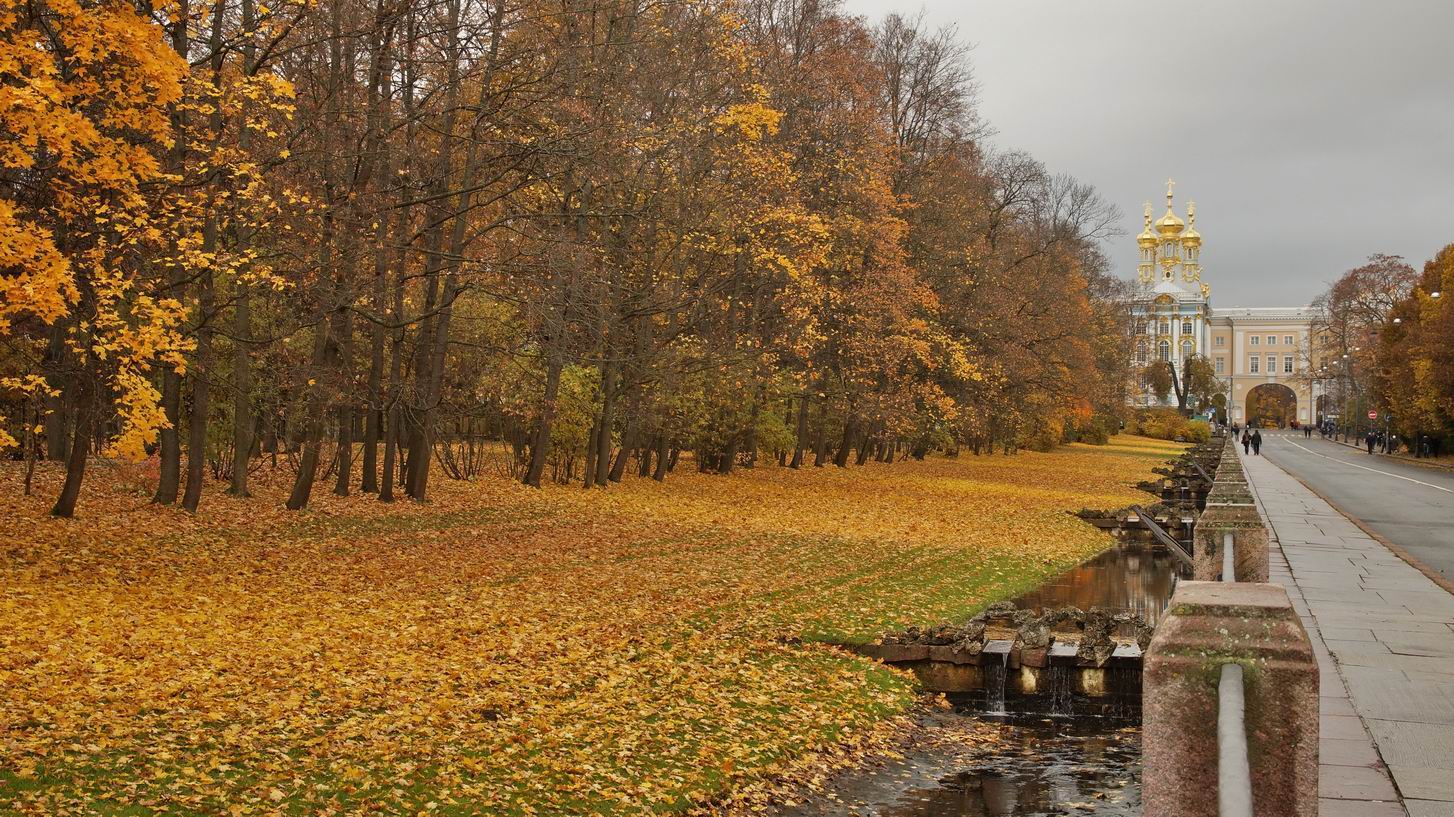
(1044, 767)
(1033, 766)
(1063, 766)
(1135, 576)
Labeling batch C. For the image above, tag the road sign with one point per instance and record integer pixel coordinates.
(1373, 415)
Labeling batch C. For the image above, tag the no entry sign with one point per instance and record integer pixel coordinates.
(1373, 415)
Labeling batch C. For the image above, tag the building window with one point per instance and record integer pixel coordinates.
(1255, 361)
(1185, 350)
(1254, 339)
(1141, 352)
(1287, 339)
(1163, 350)
(1165, 327)
(1221, 364)
(1272, 340)
(1272, 364)
(1221, 341)
(1287, 364)
(1186, 327)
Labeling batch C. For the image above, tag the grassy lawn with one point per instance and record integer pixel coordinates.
(500, 650)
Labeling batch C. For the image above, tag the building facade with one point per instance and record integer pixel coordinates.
(1260, 355)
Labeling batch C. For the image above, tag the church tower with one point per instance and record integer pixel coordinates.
(1171, 307)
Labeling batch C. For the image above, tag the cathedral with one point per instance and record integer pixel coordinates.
(1261, 355)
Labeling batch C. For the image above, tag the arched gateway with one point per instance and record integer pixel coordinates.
(1271, 404)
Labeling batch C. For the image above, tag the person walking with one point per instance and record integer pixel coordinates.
(1307, 432)
(1256, 443)
(1369, 439)
(1246, 442)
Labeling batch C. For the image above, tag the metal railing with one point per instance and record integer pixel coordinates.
(1234, 772)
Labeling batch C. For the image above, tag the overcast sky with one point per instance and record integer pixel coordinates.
(1310, 134)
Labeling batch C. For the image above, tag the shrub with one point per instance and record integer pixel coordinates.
(1170, 424)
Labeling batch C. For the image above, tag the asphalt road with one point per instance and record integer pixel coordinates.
(1409, 505)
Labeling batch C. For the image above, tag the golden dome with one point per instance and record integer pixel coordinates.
(1147, 238)
(1169, 225)
(1191, 237)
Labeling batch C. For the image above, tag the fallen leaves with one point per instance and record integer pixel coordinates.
(500, 650)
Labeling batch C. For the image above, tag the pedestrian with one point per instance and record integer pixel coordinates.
(1246, 442)
(1256, 443)
(1307, 432)
(1369, 439)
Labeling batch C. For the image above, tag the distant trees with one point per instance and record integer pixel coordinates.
(1413, 376)
(350, 237)
(1385, 340)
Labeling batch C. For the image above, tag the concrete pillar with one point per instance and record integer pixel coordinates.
(1207, 625)
(1249, 543)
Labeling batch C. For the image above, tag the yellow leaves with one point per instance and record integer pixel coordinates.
(752, 120)
(572, 651)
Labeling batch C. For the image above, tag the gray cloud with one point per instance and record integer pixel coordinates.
(1310, 134)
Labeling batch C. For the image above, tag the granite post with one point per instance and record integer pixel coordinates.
(1249, 543)
(1209, 624)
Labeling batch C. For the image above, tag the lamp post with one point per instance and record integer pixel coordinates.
(1321, 378)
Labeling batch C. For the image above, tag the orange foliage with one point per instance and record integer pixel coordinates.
(500, 646)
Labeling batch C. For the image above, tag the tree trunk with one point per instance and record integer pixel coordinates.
(375, 416)
(662, 455)
(802, 435)
(65, 506)
(201, 375)
(840, 457)
(242, 420)
(628, 441)
(608, 409)
(592, 447)
(169, 449)
(344, 457)
(540, 448)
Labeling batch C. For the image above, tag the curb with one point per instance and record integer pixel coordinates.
(1419, 461)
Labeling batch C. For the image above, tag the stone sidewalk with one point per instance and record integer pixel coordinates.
(1384, 634)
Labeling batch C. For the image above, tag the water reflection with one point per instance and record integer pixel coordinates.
(1042, 768)
(1135, 576)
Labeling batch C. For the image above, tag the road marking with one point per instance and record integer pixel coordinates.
(1374, 470)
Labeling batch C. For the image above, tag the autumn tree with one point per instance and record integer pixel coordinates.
(83, 323)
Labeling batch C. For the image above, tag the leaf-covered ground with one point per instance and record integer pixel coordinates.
(500, 650)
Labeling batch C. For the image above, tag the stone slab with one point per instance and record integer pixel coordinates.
(1390, 642)
(1354, 783)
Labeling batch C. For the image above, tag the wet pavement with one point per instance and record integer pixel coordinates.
(1384, 635)
(1410, 505)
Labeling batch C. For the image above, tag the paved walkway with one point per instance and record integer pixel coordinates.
(1384, 634)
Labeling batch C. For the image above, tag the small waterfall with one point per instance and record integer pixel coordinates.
(1062, 696)
(994, 685)
(1124, 685)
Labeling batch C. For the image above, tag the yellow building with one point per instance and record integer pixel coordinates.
(1259, 354)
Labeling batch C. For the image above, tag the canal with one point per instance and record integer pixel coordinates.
(963, 762)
